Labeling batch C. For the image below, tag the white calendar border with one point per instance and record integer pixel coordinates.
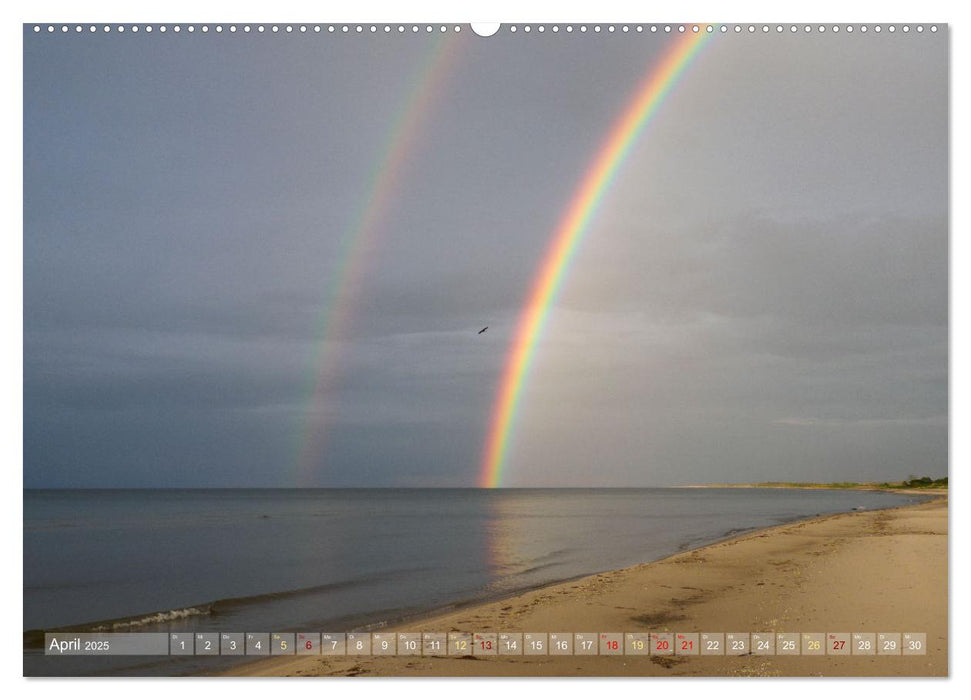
(440, 10)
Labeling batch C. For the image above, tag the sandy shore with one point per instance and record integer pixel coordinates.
(874, 571)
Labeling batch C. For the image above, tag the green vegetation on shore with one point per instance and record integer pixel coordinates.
(923, 482)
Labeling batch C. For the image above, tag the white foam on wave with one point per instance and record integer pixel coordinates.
(153, 619)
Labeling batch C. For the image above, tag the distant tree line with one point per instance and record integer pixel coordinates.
(918, 482)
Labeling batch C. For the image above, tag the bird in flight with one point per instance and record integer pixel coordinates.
(483, 330)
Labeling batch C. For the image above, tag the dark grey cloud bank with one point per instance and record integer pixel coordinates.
(763, 294)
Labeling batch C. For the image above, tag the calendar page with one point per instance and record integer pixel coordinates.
(458, 350)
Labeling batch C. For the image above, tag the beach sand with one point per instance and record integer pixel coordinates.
(871, 571)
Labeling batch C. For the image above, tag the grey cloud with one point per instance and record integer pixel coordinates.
(762, 292)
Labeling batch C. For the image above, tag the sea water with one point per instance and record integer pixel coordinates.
(342, 559)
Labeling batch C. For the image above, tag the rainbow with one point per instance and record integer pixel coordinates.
(624, 133)
(358, 240)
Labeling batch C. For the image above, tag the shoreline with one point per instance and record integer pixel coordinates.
(366, 621)
(800, 576)
(930, 492)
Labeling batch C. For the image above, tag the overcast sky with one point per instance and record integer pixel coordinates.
(762, 295)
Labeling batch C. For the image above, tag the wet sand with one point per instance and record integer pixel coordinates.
(871, 571)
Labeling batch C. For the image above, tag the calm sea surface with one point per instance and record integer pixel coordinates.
(335, 560)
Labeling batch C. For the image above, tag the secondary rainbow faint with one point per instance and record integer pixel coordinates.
(402, 140)
(648, 96)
